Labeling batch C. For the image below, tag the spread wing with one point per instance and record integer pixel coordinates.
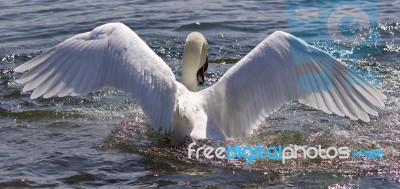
(111, 55)
(281, 69)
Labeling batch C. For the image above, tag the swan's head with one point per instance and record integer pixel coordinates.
(195, 60)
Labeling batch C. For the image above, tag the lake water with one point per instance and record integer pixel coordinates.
(104, 139)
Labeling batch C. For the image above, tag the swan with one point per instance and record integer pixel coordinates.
(282, 68)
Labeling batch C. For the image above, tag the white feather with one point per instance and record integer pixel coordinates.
(111, 55)
(268, 77)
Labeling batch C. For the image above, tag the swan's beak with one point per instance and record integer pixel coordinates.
(200, 73)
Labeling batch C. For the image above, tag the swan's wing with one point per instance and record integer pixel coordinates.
(111, 55)
(281, 69)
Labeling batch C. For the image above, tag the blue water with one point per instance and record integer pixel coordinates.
(104, 139)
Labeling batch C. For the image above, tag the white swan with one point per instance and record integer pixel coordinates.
(280, 69)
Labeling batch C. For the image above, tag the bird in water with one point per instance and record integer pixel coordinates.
(282, 68)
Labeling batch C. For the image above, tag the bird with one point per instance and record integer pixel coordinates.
(281, 69)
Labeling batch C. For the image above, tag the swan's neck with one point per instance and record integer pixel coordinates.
(191, 61)
(194, 57)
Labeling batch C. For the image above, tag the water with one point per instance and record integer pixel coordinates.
(104, 139)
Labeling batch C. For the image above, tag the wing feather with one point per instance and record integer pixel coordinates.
(281, 69)
(111, 55)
